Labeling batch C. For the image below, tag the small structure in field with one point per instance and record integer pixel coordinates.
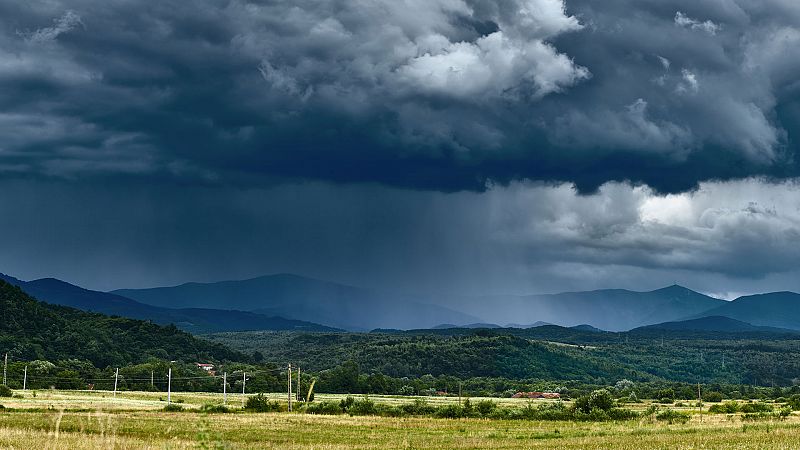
(547, 395)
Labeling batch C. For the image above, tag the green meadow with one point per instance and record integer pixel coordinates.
(134, 420)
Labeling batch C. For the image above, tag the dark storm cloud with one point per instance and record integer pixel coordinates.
(157, 143)
(724, 238)
(444, 94)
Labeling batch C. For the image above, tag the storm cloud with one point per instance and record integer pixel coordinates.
(444, 94)
(442, 145)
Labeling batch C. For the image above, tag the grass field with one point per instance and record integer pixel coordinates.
(96, 420)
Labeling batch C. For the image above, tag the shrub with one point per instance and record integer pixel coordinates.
(600, 399)
(419, 408)
(665, 394)
(622, 414)
(346, 403)
(363, 407)
(6, 391)
(212, 408)
(757, 407)
(724, 408)
(259, 403)
(406, 390)
(449, 412)
(794, 402)
(714, 397)
(672, 416)
(172, 407)
(485, 407)
(623, 385)
(650, 411)
(326, 408)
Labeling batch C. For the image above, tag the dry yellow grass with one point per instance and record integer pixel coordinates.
(131, 423)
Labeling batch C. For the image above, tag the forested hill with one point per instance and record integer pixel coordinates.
(30, 329)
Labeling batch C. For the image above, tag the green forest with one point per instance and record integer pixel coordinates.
(65, 348)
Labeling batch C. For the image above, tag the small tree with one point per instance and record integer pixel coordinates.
(600, 399)
(623, 385)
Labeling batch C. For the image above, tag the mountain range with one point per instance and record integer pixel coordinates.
(32, 330)
(291, 302)
(608, 309)
(308, 299)
(194, 320)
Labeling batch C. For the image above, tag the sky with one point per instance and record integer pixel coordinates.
(451, 146)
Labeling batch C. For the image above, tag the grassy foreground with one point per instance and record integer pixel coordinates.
(69, 420)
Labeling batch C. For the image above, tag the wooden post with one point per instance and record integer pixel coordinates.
(5, 369)
(25, 380)
(225, 388)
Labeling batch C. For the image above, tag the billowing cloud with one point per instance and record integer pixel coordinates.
(443, 94)
(708, 26)
(570, 143)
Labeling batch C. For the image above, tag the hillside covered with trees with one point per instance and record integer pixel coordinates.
(32, 330)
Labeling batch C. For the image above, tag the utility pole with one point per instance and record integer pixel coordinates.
(169, 386)
(25, 379)
(289, 373)
(723, 360)
(225, 388)
(5, 369)
(244, 382)
(152, 380)
(459, 393)
(116, 378)
(297, 395)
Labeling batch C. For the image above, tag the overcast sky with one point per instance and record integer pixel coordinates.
(520, 146)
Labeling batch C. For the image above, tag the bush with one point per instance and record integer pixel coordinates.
(758, 407)
(173, 408)
(6, 391)
(363, 407)
(724, 408)
(212, 408)
(406, 390)
(326, 408)
(600, 399)
(623, 385)
(650, 411)
(665, 394)
(449, 412)
(714, 397)
(622, 414)
(259, 403)
(485, 407)
(419, 408)
(794, 402)
(346, 403)
(672, 416)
